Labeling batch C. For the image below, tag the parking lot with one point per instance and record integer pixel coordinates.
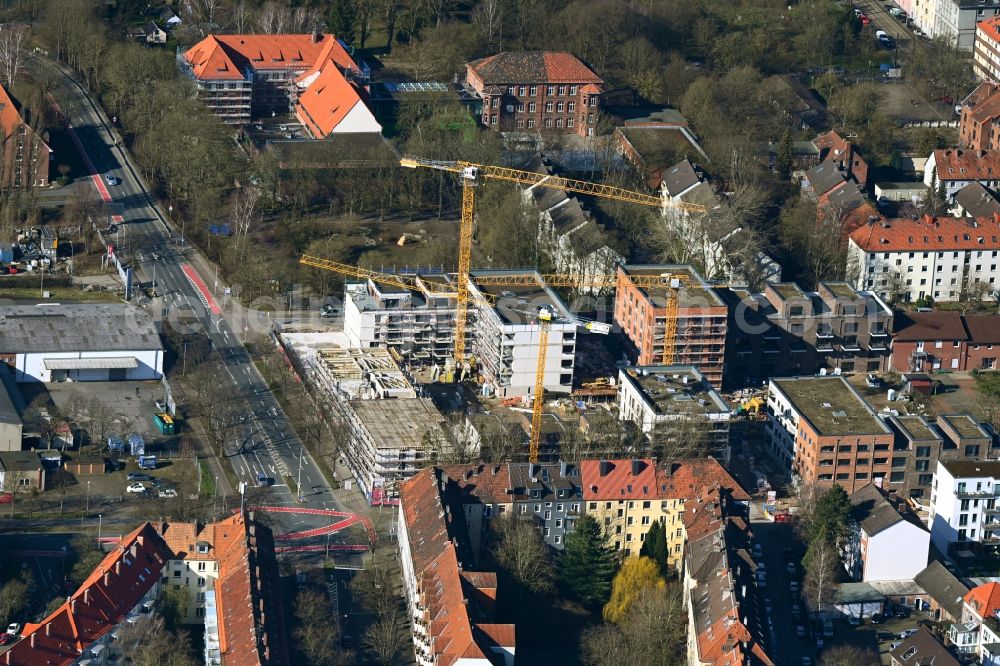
(132, 404)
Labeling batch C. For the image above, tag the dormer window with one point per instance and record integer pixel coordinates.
(202, 547)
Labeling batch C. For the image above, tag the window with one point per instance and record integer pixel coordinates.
(520, 107)
(559, 122)
(199, 612)
(177, 573)
(559, 522)
(201, 566)
(510, 90)
(531, 107)
(570, 122)
(593, 100)
(524, 508)
(546, 533)
(548, 107)
(520, 122)
(548, 515)
(201, 582)
(548, 122)
(531, 122)
(520, 91)
(571, 107)
(495, 102)
(645, 520)
(538, 507)
(972, 451)
(550, 90)
(923, 451)
(922, 465)
(493, 119)
(562, 90)
(559, 107)
(557, 539)
(572, 92)
(534, 91)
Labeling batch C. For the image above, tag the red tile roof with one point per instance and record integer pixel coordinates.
(618, 479)
(989, 28)
(984, 599)
(111, 592)
(10, 118)
(325, 103)
(436, 567)
(983, 103)
(957, 164)
(227, 56)
(491, 484)
(928, 234)
(533, 67)
(685, 477)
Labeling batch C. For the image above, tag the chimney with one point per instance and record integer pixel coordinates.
(72, 607)
(637, 466)
(86, 596)
(107, 579)
(496, 469)
(562, 468)
(32, 642)
(118, 568)
(48, 628)
(317, 36)
(604, 467)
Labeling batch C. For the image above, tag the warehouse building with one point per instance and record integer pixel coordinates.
(80, 342)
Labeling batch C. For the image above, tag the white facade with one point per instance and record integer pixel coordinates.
(940, 275)
(952, 182)
(359, 119)
(31, 366)
(986, 55)
(898, 552)
(923, 13)
(964, 504)
(782, 424)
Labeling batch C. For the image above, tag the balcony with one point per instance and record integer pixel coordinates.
(878, 332)
(824, 332)
(974, 494)
(992, 510)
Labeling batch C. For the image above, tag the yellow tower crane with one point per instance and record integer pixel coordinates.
(472, 173)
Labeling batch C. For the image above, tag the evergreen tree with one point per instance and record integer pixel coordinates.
(343, 17)
(783, 159)
(830, 521)
(655, 546)
(587, 565)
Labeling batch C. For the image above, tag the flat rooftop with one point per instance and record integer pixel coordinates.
(76, 327)
(696, 293)
(518, 305)
(971, 468)
(841, 290)
(916, 427)
(676, 389)
(831, 405)
(964, 425)
(400, 424)
(787, 290)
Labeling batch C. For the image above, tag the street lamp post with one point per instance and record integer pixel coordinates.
(100, 523)
(299, 482)
(88, 496)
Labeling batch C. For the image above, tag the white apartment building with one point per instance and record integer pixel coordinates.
(884, 544)
(418, 324)
(507, 337)
(964, 504)
(957, 168)
(986, 51)
(660, 396)
(956, 19)
(935, 257)
(782, 424)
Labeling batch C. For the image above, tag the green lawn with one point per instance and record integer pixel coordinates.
(58, 294)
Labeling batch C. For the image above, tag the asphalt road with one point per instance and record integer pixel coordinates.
(264, 441)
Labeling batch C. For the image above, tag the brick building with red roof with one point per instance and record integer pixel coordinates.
(24, 154)
(946, 341)
(536, 91)
(450, 606)
(240, 77)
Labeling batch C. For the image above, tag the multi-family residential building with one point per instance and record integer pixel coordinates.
(977, 127)
(627, 496)
(696, 322)
(955, 20)
(964, 507)
(922, 13)
(449, 604)
(975, 201)
(482, 492)
(954, 168)
(938, 258)
(917, 448)
(977, 633)
(24, 153)
(391, 440)
(885, 544)
(986, 52)
(574, 242)
(788, 331)
(507, 335)
(551, 495)
(536, 91)
(240, 77)
(675, 401)
(921, 649)
(726, 610)
(943, 591)
(419, 325)
(945, 341)
(827, 433)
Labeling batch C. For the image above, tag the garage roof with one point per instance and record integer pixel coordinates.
(76, 327)
(107, 363)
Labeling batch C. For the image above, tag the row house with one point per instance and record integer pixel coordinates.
(726, 608)
(952, 169)
(945, 341)
(450, 605)
(977, 633)
(938, 258)
(670, 316)
(24, 153)
(536, 91)
(786, 331)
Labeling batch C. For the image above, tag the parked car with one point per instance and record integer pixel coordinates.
(872, 380)
(800, 630)
(887, 42)
(110, 180)
(865, 20)
(901, 611)
(168, 493)
(906, 634)
(893, 646)
(139, 476)
(14, 629)
(855, 621)
(135, 488)
(883, 636)
(7, 639)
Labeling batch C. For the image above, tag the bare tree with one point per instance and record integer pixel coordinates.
(385, 638)
(147, 642)
(488, 19)
(821, 575)
(315, 635)
(848, 655)
(13, 51)
(244, 214)
(521, 551)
